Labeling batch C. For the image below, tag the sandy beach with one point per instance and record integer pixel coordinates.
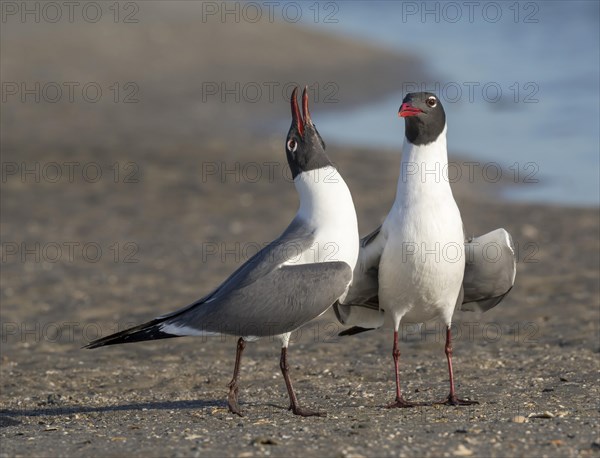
(114, 212)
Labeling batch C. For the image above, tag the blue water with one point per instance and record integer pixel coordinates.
(545, 123)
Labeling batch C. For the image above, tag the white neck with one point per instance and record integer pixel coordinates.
(423, 171)
(323, 192)
(326, 205)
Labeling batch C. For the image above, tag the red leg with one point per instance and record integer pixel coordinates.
(400, 401)
(232, 397)
(452, 399)
(294, 406)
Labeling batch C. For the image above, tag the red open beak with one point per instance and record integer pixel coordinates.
(298, 119)
(408, 110)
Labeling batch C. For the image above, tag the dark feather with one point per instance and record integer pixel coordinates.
(147, 331)
(354, 330)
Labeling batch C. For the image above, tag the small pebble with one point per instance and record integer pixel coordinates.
(461, 450)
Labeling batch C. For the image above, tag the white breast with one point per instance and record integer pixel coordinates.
(422, 264)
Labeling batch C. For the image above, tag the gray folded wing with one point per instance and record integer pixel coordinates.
(269, 294)
(361, 304)
(490, 270)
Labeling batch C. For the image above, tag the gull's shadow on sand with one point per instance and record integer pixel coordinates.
(7, 414)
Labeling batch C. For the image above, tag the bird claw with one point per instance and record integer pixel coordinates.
(232, 401)
(234, 407)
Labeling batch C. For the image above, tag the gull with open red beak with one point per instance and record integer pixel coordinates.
(292, 280)
(419, 265)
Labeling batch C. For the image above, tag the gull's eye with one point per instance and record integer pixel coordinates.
(431, 102)
(292, 145)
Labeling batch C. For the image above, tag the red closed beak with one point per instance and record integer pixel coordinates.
(408, 110)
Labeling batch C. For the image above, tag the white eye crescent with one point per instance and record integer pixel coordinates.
(292, 145)
(431, 102)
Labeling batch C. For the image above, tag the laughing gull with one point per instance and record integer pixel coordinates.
(294, 279)
(418, 264)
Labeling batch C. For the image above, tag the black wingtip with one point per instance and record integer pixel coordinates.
(147, 331)
(354, 330)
